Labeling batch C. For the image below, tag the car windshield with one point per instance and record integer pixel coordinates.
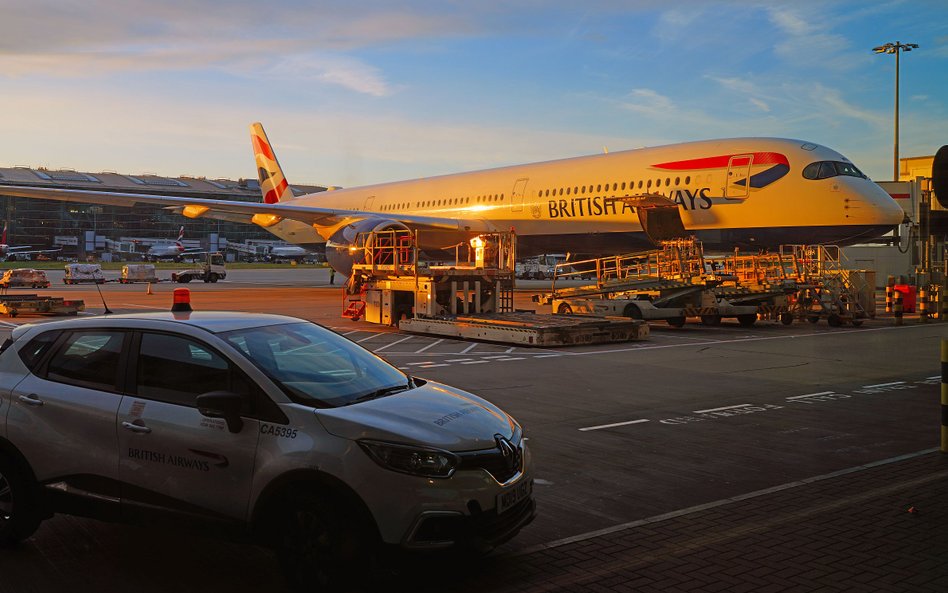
(315, 366)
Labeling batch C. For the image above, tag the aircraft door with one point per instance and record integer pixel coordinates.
(369, 202)
(738, 177)
(516, 196)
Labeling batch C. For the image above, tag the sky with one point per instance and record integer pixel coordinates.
(355, 92)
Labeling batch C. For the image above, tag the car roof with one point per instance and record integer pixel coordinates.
(211, 321)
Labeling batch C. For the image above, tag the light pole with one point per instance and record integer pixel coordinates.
(896, 48)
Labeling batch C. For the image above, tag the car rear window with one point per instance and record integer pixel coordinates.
(33, 352)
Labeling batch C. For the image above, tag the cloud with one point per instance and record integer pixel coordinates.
(759, 104)
(291, 41)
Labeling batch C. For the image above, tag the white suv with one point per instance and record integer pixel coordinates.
(262, 424)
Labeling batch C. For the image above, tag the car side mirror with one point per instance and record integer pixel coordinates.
(222, 404)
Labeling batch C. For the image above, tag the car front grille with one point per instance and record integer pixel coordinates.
(494, 462)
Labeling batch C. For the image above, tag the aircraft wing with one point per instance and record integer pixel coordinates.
(249, 212)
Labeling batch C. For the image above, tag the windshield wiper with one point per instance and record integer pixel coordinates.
(380, 393)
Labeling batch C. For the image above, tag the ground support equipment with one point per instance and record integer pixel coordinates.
(31, 304)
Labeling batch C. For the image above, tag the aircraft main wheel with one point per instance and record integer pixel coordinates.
(747, 320)
(786, 318)
(564, 309)
(711, 320)
(676, 321)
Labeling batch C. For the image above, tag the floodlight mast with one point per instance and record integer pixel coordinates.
(895, 48)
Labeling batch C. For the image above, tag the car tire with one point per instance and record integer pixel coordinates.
(319, 546)
(18, 515)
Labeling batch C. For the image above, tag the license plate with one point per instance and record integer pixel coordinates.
(513, 495)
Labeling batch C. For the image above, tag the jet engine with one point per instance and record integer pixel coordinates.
(342, 251)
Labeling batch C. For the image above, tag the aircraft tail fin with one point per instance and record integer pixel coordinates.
(273, 184)
(3, 241)
(180, 236)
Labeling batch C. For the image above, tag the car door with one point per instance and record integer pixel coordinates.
(62, 415)
(170, 455)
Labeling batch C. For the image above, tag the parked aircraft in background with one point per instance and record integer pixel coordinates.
(11, 253)
(293, 252)
(744, 192)
(174, 250)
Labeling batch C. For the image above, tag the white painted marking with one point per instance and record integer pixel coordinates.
(935, 377)
(505, 359)
(719, 409)
(134, 306)
(393, 343)
(718, 503)
(468, 349)
(355, 331)
(369, 338)
(417, 363)
(8, 324)
(811, 395)
(476, 362)
(547, 355)
(436, 342)
(511, 349)
(601, 426)
(457, 359)
(883, 384)
(431, 366)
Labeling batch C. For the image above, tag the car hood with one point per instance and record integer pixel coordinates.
(433, 415)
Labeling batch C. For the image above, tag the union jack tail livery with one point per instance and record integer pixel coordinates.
(273, 184)
(3, 241)
(180, 237)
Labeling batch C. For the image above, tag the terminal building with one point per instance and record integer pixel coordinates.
(86, 230)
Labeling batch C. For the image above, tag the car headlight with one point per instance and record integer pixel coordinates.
(410, 459)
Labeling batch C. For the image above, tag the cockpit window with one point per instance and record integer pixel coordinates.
(827, 169)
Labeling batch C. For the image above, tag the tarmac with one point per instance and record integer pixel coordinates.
(878, 527)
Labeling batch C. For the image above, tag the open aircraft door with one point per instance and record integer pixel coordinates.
(660, 217)
(516, 196)
(738, 177)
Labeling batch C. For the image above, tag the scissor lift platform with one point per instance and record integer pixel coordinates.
(531, 329)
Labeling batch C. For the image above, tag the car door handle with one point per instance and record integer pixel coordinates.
(136, 426)
(31, 400)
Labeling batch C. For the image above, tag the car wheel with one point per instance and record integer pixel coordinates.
(319, 549)
(18, 517)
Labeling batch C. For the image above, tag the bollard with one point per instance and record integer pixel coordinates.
(889, 284)
(923, 304)
(897, 308)
(944, 396)
(936, 302)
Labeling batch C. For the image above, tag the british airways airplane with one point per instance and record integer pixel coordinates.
(743, 192)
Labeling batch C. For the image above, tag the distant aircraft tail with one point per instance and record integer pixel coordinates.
(180, 236)
(273, 184)
(3, 241)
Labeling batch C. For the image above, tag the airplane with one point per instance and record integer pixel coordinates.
(749, 193)
(174, 250)
(11, 253)
(294, 252)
